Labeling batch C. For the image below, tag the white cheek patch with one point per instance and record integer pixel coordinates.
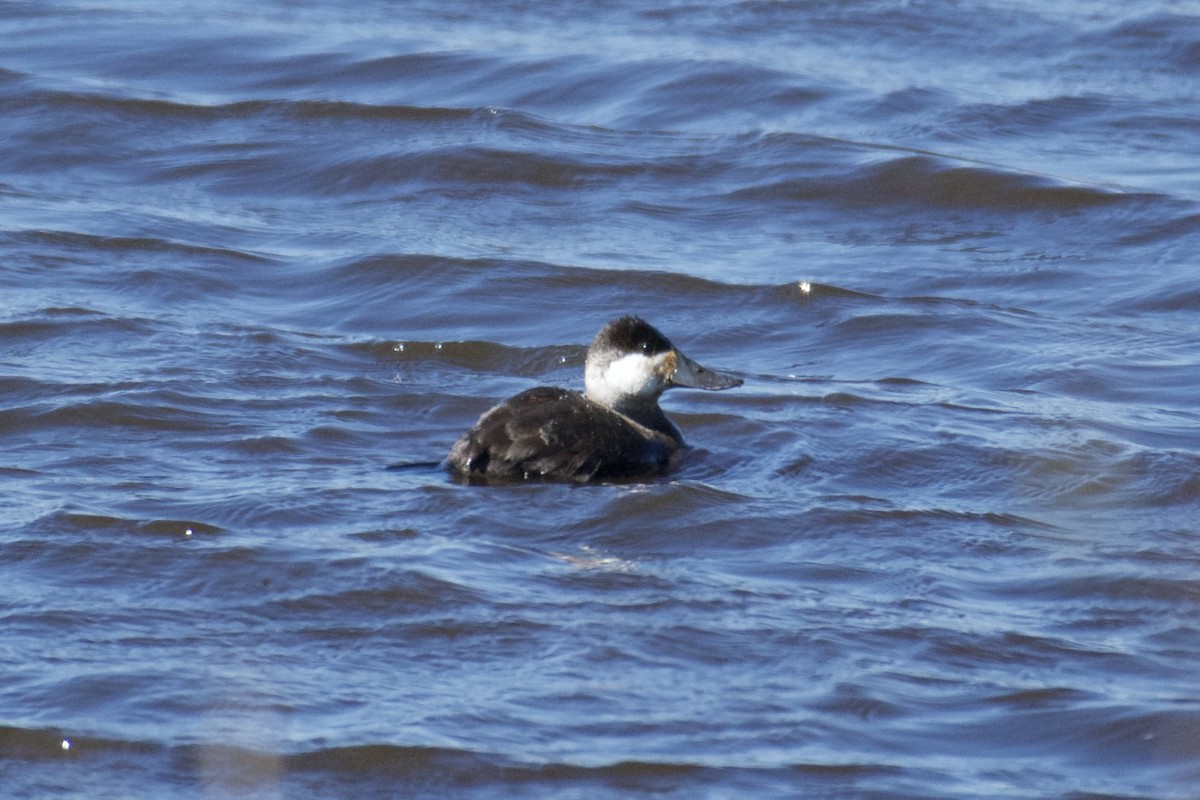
(634, 374)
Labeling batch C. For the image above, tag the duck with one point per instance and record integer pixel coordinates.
(612, 430)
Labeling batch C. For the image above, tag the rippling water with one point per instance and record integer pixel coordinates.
(943, 543)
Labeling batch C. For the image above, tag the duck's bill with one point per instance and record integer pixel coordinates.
(690, 374)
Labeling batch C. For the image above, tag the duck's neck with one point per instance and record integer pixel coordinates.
(647, 413)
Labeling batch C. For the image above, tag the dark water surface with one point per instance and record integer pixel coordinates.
(944, 543)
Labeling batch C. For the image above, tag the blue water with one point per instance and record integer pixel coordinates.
(943, 543)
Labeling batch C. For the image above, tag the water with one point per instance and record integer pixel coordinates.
(941, 544)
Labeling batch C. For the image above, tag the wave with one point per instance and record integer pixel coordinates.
(144, 109)
(935, 182)
(32, 328)
(411, 765)
(79, 241)
(487, 292)
(141, 414)
(83, 522)
(1122, 738)
(1168, 40)
(525, 276)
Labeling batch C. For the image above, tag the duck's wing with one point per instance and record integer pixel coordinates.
(556, 434)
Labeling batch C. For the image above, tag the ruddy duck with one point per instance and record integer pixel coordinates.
(615, 429)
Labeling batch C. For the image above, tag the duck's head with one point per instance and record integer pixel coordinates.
(631, 362)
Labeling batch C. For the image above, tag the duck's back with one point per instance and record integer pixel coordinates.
(557, 434)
